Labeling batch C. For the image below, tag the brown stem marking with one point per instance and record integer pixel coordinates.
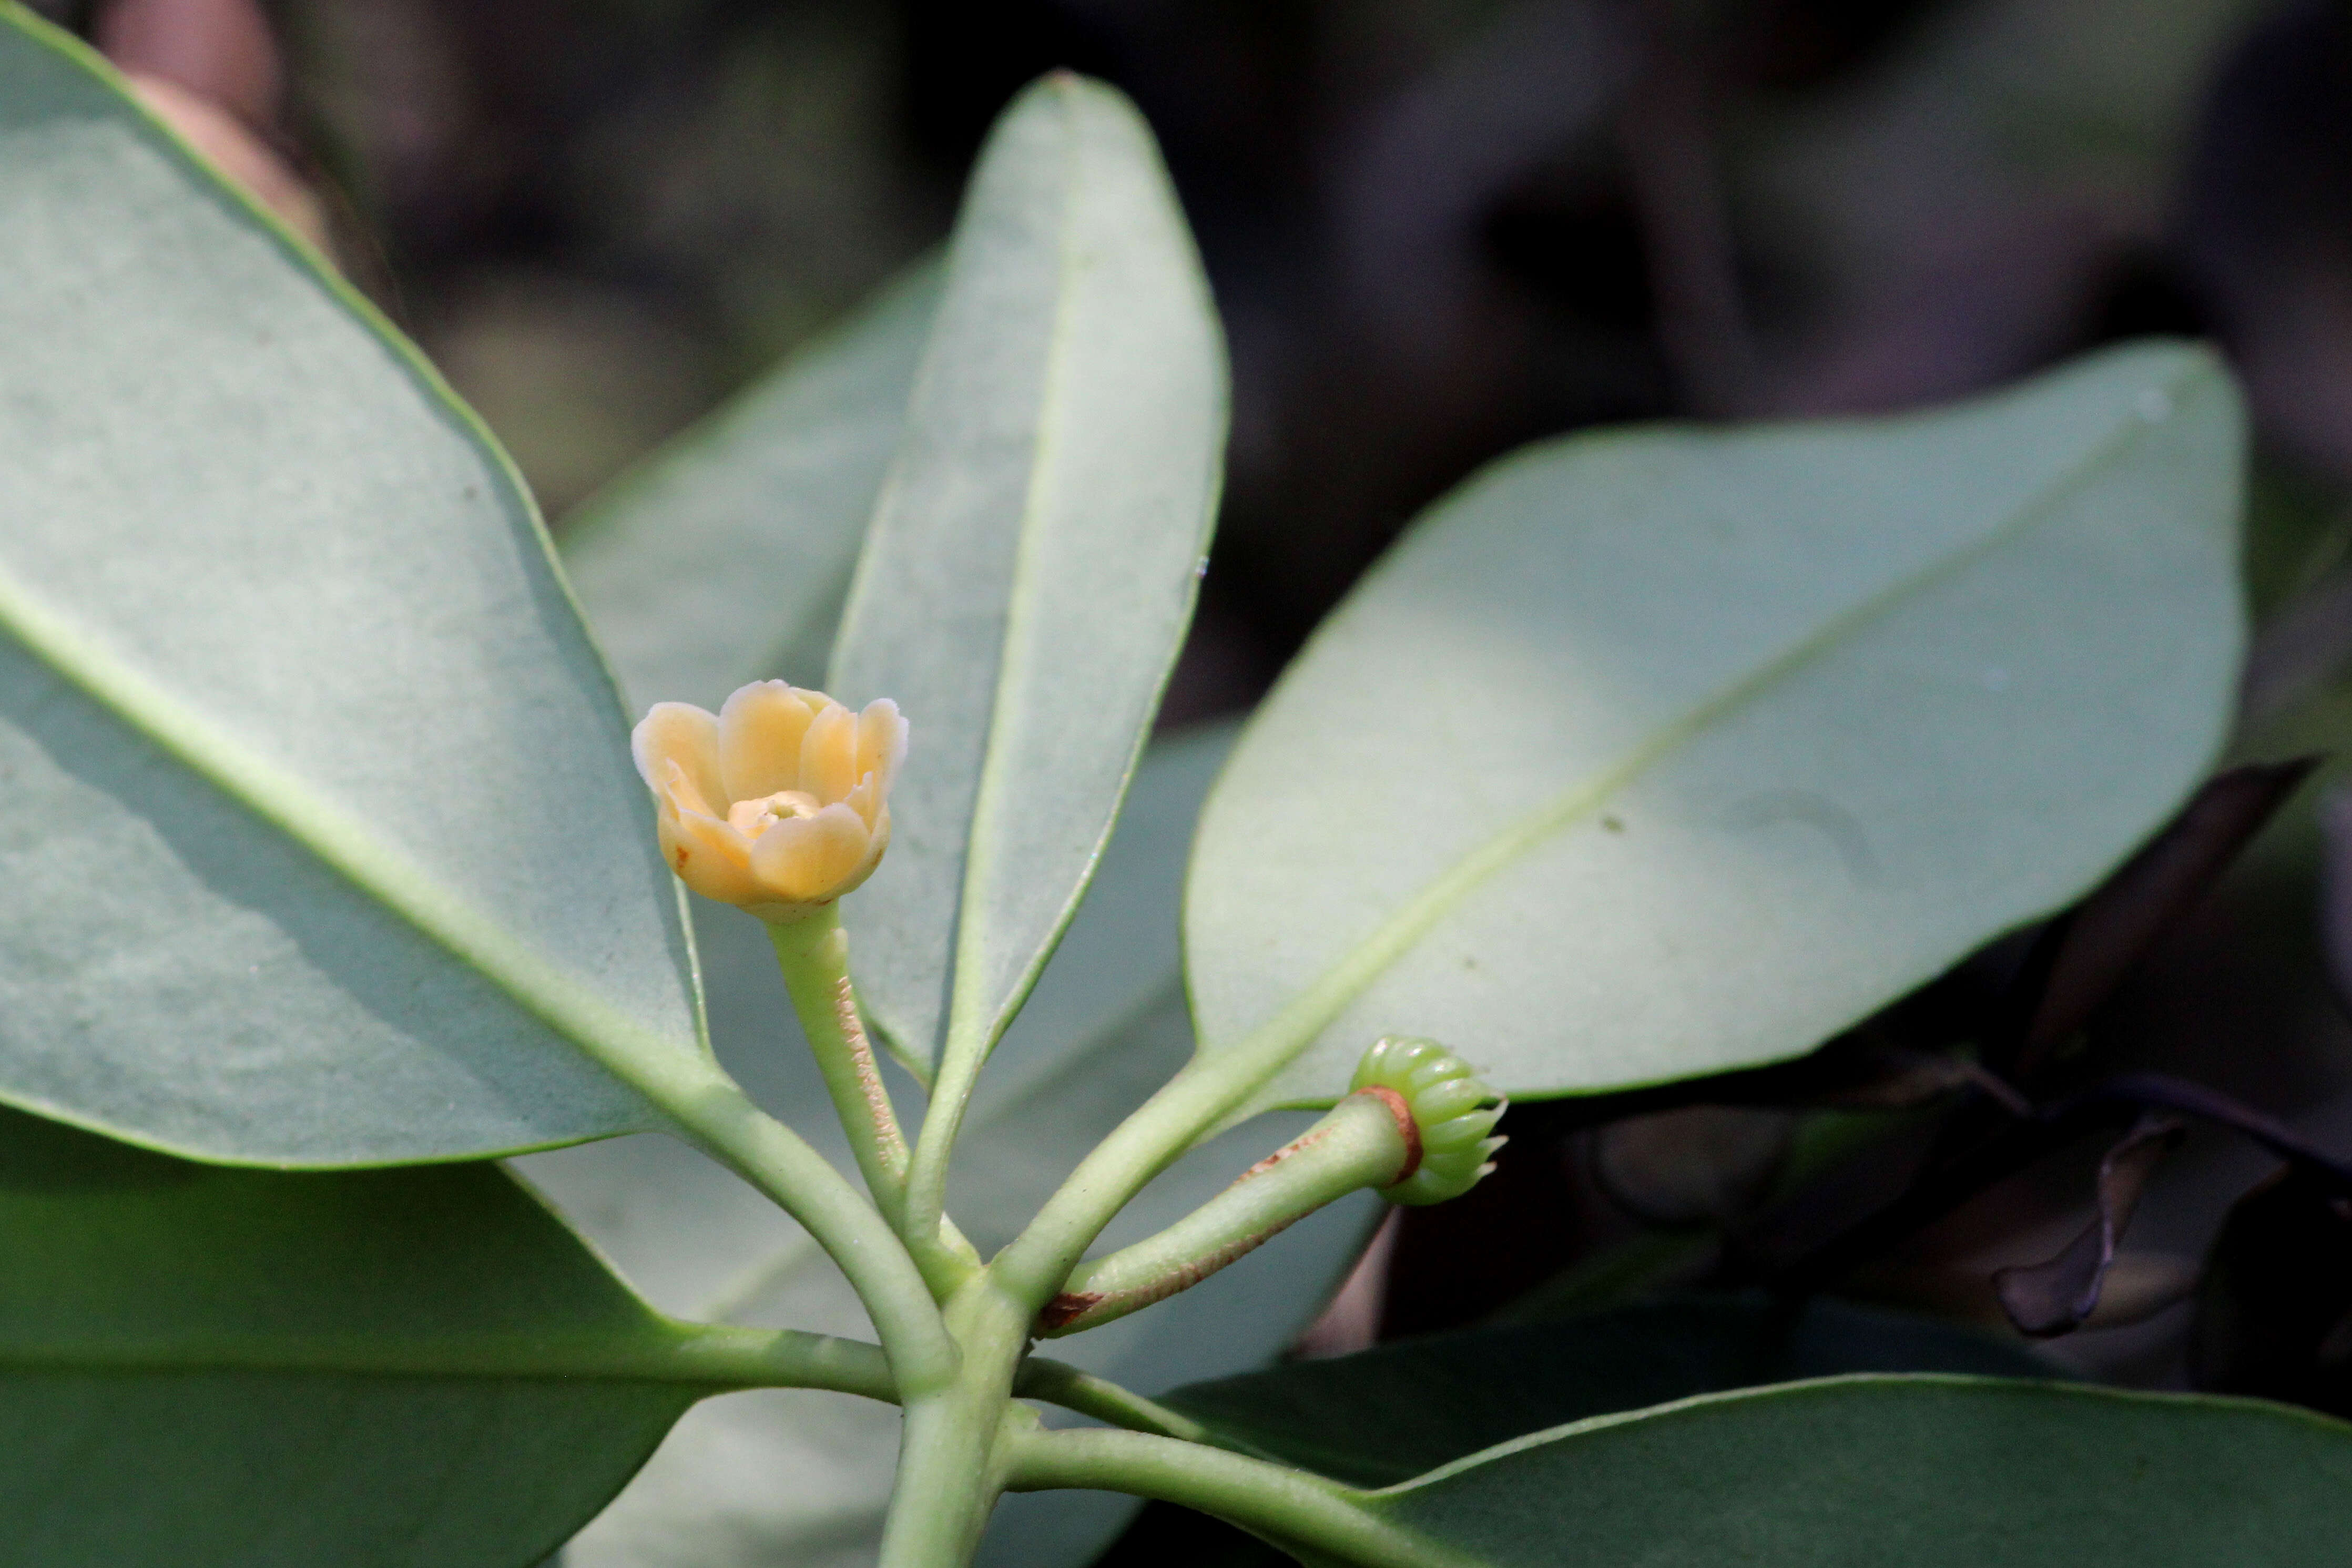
(1070, 1306)
(893, 1142)
(1407, 1129)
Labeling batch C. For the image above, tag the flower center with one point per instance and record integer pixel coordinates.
(752, 817)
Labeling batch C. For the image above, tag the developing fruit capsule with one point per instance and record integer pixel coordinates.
(1452, 1114)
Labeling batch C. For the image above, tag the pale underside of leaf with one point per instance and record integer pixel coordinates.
(1659, 753)
(1033, 559)
(324, 847)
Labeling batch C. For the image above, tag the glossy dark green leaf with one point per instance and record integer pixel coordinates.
(1386, 1414)
(212, 1368)
(1929, 1472)
(321, 844)
(724, 556)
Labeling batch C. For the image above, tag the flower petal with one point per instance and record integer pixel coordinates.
(829, 754)
(760, 734)
(678, 793)
(682, 733)
(865, 800)
(808, 859)
(881, 742)
(708, 857)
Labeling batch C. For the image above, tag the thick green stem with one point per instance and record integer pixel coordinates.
(1367, 1141)
(1271, 1501)
(951, 1458)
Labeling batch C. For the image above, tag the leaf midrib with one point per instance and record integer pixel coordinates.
(700, 1356)
(971, 1024)
(1839, 1385)
(628, 1052)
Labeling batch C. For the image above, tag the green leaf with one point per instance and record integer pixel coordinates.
(1387, 1415)
(1924, 1471)
(1034, 561)
(725, 557)
(1658, 753)
(788, 1476)
(383, 1369)
(322, 844)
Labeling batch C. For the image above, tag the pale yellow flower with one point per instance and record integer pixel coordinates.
(781, 802)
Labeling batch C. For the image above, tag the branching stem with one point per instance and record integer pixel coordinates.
(952, 1454)
(1359, 1144)
(954, 1332)
(720, 1120)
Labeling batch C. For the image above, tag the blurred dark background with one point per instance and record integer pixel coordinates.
(1436, 229)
